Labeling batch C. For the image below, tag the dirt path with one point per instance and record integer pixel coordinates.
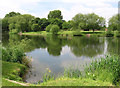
(23, 84)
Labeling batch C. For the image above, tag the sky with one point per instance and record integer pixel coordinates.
(69, 8)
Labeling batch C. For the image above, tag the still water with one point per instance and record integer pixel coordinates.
(57, 53)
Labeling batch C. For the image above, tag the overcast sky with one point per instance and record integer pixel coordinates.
(69, 8)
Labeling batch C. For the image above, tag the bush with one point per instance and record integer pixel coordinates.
(12, 54)
(35, 27)
(109, 33)
(77, 33)
(15, 52)
(54, 29)
(13, 31)
(116, 33)
(48, 28)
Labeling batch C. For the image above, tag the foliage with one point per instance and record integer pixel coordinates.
(48, 28)
(54, 29)
(5, 24)
(13, 31)
(55, 14)
(114, 23)
(12, 14)
(20, 22)
(72, 73)
(56, 21)
(116, 33)
(88, 21)
(14, 52)
(35, 27)
(65, 25)
(28, 23)
(12, 71)
(43, 23)
(109, 33)
(105, 69)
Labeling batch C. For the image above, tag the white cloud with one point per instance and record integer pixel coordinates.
(101, 7)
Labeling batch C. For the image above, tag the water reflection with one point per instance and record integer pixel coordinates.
(87, 46)
(57, 53)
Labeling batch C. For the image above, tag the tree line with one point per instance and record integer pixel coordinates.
(17, 22)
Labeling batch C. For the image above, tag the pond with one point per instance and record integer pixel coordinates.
(57, 53)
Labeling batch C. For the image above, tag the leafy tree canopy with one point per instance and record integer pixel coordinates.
(55, 14)
(114, 23)
(11, 14)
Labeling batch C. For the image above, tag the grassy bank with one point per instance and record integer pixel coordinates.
(75, 82)
(12, 71)
(8, 83)
(14, 62)
(103, 72)
(77, 33)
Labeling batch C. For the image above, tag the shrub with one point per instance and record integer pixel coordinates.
(109, 33)
(15, 52)
(35, 27)
(116, 33)
(13, 31)
(77, 33)
(54, 29)
(48, 28)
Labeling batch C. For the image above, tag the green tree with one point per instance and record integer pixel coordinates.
(77, 20)
(54, 29)
(55, 14)
(21, 22)
(48, 28)
(36, 27)
(5, 24)
(43, 23)
(65, 25)
(56, 21)
(12, 26)
(114, 23)
(88, 21)
(36, 20)
(12, 14)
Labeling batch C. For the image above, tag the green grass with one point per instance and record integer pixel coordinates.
(12, 70)
(106, 69)
(66, 33)
(103, 72)
(37, 33)
(73, 33)
(75, 82)
(7, 83)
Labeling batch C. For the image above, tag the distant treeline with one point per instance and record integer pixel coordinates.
(17, 22)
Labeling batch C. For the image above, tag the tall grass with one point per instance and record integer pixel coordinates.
(105, 69)
(72, 73)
